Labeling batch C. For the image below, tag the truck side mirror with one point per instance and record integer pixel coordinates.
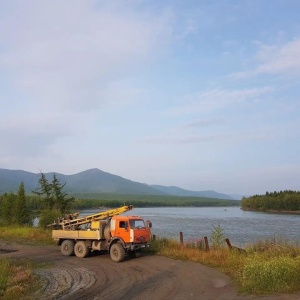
(148, 224)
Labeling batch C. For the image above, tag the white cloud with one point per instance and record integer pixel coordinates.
(211, 100)
(63, 52)
(233, 137)
(236, 135)
(202, 123)
(276, 60)
(280, 59)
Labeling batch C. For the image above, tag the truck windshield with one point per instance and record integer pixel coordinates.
(137, 223)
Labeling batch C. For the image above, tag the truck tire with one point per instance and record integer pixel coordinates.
(67, 248)
(81, 250)
(107, 233)
(117, 252)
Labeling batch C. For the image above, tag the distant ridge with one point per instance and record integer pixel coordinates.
(176, 191)
(96, 181)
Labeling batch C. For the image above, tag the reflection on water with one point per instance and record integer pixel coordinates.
(241, 227)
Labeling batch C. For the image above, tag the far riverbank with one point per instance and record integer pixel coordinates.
(274, 211)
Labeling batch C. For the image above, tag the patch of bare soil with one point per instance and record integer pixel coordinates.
(146, 277)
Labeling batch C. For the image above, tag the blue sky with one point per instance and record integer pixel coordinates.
(199, 94)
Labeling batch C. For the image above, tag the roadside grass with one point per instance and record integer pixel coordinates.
(26, 235)
(265, 268)
(17, 280)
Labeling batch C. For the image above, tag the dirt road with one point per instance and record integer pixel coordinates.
(146, 277)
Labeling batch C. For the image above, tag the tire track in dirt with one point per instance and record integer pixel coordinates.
(147, 277)
(59, 282)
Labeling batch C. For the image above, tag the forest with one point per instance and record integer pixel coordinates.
(273, 201)
(115, 200)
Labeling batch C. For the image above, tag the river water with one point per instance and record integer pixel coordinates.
(241, 227)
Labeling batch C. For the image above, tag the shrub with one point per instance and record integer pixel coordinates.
(269, 275)
(217, 237)
(48, 216)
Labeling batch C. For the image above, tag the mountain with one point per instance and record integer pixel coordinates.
(95, 181)
(90, 181)
(176, 191)
(11, 179)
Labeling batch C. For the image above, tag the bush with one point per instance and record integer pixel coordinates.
(217, 237)
(48, 216)
(278, 274)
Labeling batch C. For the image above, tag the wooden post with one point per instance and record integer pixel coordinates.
(181, 237)
(206, 243)
(240, 250)
(153, 237)
(228, 243)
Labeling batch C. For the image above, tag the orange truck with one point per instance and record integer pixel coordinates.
(103, 232)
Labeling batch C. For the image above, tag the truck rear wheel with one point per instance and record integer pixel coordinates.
(117, 252)
(81, 250)
(67, 248)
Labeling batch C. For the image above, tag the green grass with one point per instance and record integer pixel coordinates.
(264, 274)
(16, 276)
(26, 235)
(16, 279)
(264, 269)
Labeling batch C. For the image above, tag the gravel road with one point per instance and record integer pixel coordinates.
(147, 277)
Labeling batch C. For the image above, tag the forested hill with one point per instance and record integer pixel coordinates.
(95, 181)
(275, 201)
(176, 191)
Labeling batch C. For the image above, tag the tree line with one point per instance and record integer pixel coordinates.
(48, 203)
(282, 201)
(80, 204)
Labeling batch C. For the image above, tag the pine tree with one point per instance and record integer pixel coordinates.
(53, 196)
(6, 209)
(22, 215)
(62, 202)
(45, 191)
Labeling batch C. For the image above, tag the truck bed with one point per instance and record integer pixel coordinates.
(77, 234)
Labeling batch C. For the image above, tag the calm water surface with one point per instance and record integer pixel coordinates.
(241, 227)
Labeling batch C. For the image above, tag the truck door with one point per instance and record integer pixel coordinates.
(123, 230)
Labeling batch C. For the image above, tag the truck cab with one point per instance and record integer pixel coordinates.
(131, 229)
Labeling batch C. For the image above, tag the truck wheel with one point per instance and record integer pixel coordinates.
(117, 252)
(67, 248)
(107, 233)
(81, 250)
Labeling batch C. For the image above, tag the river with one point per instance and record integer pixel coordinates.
(241, 227)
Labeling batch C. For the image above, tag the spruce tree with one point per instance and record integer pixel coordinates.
(45, 191)
(62, 202)
(22, 215)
